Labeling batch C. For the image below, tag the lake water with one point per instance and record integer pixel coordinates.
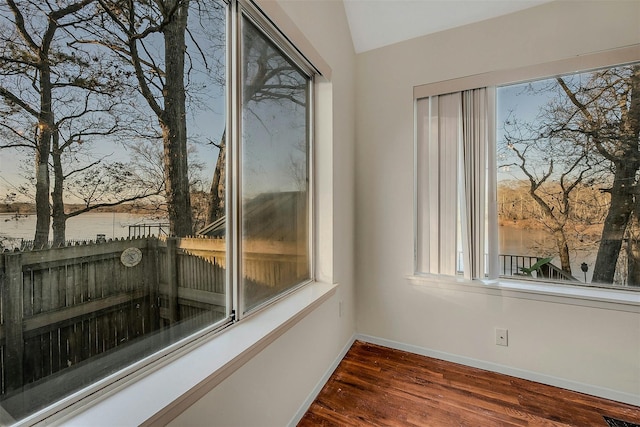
(518, 241)
(513, 241)
(81, 227)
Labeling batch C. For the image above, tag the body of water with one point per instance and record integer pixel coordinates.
(538, 243)
(513, 240)
(82, 227)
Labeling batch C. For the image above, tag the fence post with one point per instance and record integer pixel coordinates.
(12, 307)
(172, 279)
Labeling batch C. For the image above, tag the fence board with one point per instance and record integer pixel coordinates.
(91, 281)
(172, 280)
(45, 290)
(60, 316)
(27, 293)
(68, 269)
(76, 271)
(54, 341)
(12, 302)
(84, 252)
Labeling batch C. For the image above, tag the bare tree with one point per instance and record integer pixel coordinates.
(83, 97)
(151, 37)
(147, 164)
(587, 134)
(29, 55)
(606, 109)
(554, 171)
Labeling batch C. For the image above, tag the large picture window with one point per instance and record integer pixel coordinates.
(568, 163)
(155, 186)
(544, 183)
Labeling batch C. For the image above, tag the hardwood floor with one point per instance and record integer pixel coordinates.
(378, 386)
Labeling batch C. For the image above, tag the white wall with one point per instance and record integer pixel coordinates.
(588, 348)
(272, 387)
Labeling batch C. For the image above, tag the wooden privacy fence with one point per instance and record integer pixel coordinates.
(191, 278)
(61, 308)
(58, 307)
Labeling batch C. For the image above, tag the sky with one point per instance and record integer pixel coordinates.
(516, 101)
(206, 117)
(270, 131)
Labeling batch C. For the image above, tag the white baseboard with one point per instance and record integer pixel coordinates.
(323, 380)
(507, 370)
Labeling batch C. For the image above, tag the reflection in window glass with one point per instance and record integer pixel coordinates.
(275, 171)
(568, 164)
(105, 286)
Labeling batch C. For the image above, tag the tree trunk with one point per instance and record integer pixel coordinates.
(622, 192)
(174, 124)
(556, 228)
(633, 128)
(563, 251)
(43, 208)
(59, 218)
(633, 252)
(615, 223)
(45, 131)
(217, 193)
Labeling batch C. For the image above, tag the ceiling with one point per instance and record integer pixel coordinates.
(377, 23)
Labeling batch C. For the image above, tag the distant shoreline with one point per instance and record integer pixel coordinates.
(30, 208)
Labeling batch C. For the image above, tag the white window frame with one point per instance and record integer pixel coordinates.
(246, 9)
(613, 298)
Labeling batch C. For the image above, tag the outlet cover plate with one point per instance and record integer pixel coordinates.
(502, 337)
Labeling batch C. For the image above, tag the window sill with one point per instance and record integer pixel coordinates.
(612, 299)
(166, 391)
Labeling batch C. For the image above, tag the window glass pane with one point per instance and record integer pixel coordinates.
(275, 171)
(117, 163)
(568, 166)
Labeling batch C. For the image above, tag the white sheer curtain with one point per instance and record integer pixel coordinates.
(438, 130)
(473, 184)
(455, 166)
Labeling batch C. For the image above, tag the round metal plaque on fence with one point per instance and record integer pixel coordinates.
(131, 257)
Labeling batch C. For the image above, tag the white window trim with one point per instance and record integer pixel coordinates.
(609, 58)
(594, 297)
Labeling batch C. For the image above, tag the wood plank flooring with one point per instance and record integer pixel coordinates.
(378, 386)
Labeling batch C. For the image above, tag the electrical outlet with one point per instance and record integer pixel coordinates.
(502, 337)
